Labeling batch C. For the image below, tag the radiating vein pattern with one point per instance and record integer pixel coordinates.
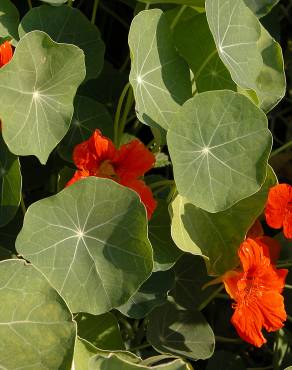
(155, 63)
(37, 89)
(36, 325)
(219, 149)
(91, 242)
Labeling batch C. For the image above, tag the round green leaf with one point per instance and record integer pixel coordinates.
(69, 25)
(155, 62)
(151, 294)
(217, 236)
(88, 116)
(9, 20)
(102, 331)
(261, 7)
(10, 184)
(253, 58)
(165, 252)
(195, 43)
(36, 327)
(181, 332)
(37, 89)
(219, 146)
(90, 240)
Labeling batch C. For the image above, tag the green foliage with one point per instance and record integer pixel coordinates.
(9, 20)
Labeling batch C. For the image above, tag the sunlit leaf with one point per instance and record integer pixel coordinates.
(219, 146)
(37, 89)
(182, 332)
(217, 236)
(200, 3)
(37, 330)
(253, 58)
(10, 184)
(66, 24)
(90, 240)
(155, 62)
(82, 353)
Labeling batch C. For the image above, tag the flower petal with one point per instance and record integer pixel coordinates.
(256, 230)
(133, 160)
(6, 53)
(253, 255)
(144, 192)
(273, 245)
(287, 223)
(278, 199)
(273, 310)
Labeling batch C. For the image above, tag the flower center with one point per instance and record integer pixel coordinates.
(106, 169)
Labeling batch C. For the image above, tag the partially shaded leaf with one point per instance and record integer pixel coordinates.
(219, 145)
(90, 240)
(9, 20)
(37, 103)
(261, 7)
(37, 330)
(82, 353)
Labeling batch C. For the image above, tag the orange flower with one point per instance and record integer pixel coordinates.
(98, 157)
(6, 53)
(279, 208)
(256, 289)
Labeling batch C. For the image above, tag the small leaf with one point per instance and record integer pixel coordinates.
(102, 331)
(253, 58)
(66, 24)
(261, 7)
(165, 252)
(37, 89)
(36, 324)
(10, 184)
(151, 294)
(181, 332)
(90, 240)
(217, 236)
(9, 21)
(88, 116)
(219, 145)
(155, 62)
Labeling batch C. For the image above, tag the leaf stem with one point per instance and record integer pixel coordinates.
(161, 183)
(118, 113)
(227, 340)
(210, 298)
(281, 149)
(94, 10)
(114, 15)
(23, 208)
(29, 4)
(141, 346)
(147, 6)
(284, 264)
(177, 17)
(123, 121)
(287, 286)
(153, 360)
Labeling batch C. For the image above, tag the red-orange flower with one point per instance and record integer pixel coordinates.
(98, 156)
(256, 289)
(279, 208)
(6, 53)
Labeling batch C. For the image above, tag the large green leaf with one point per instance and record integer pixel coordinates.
(37, 89)
(102, 331)
(217, 236)
(219, 146)
(165, 252)
(90, 240)
(69, 25)
(114, 361)
(181, 332)
(261, 7)
(195, 43)
(88, 116)
(151, 294)
(37, 331)
(155, 62)
(9, 20)
(82, 353)
(253, 58)
(10, 184)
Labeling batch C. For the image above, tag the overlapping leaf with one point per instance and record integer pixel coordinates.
(36, 327)
(90, 240)
(83, 352)
(69, 25)
(261, 7)
(182, 332)
(88, 116)
(195, 43)
(10, 184)
(253, 58)
(217, 236)
(37, 89)
(9, 20)
(155, 63)
(200, 3)
(219, 146)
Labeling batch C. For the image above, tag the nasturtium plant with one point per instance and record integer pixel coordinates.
(145, 184)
